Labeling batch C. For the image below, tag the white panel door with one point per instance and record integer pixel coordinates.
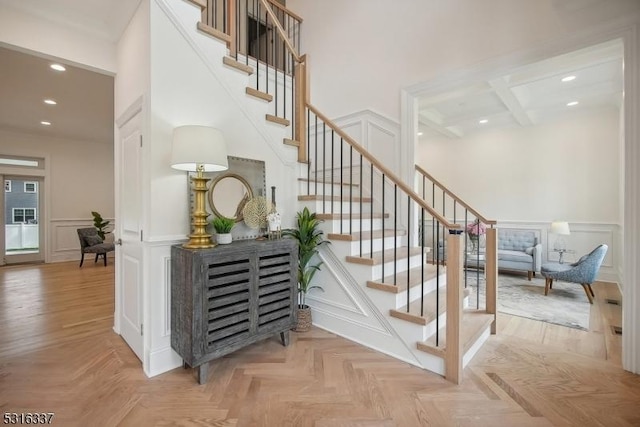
(129, 271)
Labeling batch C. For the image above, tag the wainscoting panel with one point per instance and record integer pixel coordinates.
(63, 242)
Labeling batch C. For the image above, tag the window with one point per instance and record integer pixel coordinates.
(30, 187)
(7, 186)
(26, 215)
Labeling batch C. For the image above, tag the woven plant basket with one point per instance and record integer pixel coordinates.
(304, 319)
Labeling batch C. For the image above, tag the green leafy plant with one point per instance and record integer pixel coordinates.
(309, 237)
(100, 224)
(223, 225)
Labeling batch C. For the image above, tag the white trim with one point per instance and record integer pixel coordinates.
(161, 361)
(130, 112)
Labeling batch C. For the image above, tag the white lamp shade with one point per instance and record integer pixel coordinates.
(560, 227)
(198, 145)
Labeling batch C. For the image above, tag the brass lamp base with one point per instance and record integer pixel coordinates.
(199, 238)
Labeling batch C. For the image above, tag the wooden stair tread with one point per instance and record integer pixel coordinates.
(259, 94)
(348, 184)
(292, 142)
(365, 235)
(428, 308)
(334, 198)
(376, 258)
(237, 65)
(213, 32)
(474, 323)
(200, 3)
(278, 120)
(415, 279)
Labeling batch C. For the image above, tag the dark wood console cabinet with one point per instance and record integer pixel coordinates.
(230, 296)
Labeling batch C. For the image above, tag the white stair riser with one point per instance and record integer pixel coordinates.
(346, 248)
(336, 207)
(358, 224)
(416, 291)
(401, 266)
(311, 187)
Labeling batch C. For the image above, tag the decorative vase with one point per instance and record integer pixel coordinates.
(223, 238)
(474, 243)
(304, 319)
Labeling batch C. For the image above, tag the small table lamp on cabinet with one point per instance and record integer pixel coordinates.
(199, 149)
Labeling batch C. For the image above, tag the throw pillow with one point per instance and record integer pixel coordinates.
(92, 240)
(529, 251)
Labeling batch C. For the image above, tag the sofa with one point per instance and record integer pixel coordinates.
(518, 250)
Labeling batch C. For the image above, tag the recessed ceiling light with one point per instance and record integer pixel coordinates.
(45, 123)
(420, 133)
(572, 103)
(483, 121)
(57, 67)
(50, 102)
(568, 78)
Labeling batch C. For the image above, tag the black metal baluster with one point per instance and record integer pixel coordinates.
(315, 157)
(383, 208)
(438, 285)
(408, 251)
(433, 224)
(308, 151)
(341, 180)
(331, 177)
(247, 41)
(324, 167)
(351, 190)
(395, 227)
(371, 211)
(423, 264)
(361, 215)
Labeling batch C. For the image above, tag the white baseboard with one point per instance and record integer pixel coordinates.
(161, 361)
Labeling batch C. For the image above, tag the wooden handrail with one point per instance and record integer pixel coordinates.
(392, 177)
(283, 34)
(456, 198)
(285, 10)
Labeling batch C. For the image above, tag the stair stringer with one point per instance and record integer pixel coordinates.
(185, 16)
(346, 309)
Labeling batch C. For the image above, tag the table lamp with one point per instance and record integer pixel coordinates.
(199, 149)
(561, 228)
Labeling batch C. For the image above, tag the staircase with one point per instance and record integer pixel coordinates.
(405, 248)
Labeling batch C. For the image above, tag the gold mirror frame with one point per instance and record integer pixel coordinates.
(249, 195)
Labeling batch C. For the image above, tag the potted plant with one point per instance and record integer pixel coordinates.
(475, 230)
(100, 224)
(223, 228)
(309, 238)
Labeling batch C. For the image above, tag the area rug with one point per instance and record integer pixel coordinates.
(566, 305)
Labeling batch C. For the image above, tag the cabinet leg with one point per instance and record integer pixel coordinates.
(202, 373)
(284, 336)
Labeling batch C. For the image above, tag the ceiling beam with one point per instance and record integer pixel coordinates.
(432, 122)
(507, 97)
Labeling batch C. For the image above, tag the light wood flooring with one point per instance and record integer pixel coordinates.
(58, 353)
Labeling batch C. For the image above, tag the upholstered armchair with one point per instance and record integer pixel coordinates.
(91, 243)
(583, 272)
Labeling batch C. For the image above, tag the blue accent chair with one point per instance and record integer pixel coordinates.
(583, 272)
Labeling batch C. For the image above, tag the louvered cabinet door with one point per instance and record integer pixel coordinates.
(276, 301)
(227, 301)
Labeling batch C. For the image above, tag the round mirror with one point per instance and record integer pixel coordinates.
(228, 195)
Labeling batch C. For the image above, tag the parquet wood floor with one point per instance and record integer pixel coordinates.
(59, 354)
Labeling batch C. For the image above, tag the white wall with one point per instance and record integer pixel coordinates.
(46, 37)
(567, 169)
(362, 52)
(78, 179)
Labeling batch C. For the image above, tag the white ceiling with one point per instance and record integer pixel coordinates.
(529, 96)
(84, 109)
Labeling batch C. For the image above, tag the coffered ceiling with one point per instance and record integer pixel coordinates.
(528, 96)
